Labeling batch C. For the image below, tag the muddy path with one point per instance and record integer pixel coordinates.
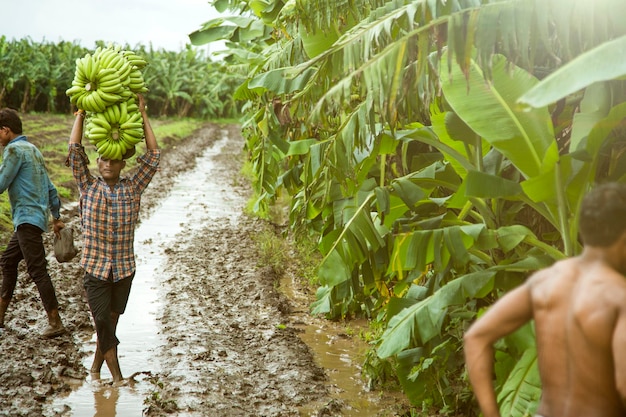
(231, 336)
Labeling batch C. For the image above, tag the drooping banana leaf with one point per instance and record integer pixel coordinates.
(232, 28)
(520, 394)
(417, 324)
(602, 63)
(489, 108)
(422, 321)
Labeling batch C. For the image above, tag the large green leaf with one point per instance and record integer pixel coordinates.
(232, 28)
(489, 108)
(602, 63)
(483, 185)
(520, 394)
(281, 80)
(422, 321)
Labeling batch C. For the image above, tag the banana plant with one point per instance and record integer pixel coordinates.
(432, 189)
(536, 181)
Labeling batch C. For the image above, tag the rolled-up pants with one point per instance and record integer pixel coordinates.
(104, 298)
(26, 243)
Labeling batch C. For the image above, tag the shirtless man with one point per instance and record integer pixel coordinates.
(579, 309)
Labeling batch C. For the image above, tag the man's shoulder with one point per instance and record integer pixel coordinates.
(563, 266)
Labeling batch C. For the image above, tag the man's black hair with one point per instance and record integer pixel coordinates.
(603, 214)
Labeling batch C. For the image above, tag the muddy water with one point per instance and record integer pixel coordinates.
(138, 329)
(186, 209)
(339, 350)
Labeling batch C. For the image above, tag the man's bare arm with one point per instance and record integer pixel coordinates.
(619, 356)
(508, 314)
(76, 135)
(151, 142)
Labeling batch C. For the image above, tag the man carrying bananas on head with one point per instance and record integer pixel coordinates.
(109, 210)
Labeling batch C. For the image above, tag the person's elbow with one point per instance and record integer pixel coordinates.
(472, 341)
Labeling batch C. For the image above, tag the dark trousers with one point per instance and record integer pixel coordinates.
(26, 243)
(104, 298)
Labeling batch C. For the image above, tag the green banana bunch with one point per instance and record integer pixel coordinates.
(135, 59)
(137, 84)
(105, 85)
(115, 130)
(110, 75)
(94, 87)
(127, 63)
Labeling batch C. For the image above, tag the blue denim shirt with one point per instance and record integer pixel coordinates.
(31, 193)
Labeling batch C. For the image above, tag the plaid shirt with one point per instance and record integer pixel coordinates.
(109, 215)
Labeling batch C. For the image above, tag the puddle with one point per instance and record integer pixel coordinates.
(195, 198)
(138, 329)
(341, 356)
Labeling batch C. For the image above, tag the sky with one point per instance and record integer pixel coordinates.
(164, 23)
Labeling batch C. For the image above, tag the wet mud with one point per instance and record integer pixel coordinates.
(232, 342)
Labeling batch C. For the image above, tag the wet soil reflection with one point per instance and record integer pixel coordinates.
(196, 198)
(138, 329)
(341, 355)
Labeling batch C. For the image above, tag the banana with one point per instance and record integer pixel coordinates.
(79, 101)
(96, 129)
(73, 90)
(81, 66)
(109, 77)
(135, 88)
(112, 150)
(135, 59)
(136, 118)
(129, 141)
(135, 79)
(93, 67)
(113, 89)
(135, 135)
(126, 94)
(123, 112)
(103, 72)
(104, 149)
(106, 58)
(79, 75)
(108, 98)
(99, 102)
(116, 112)
(86, 66)
(132, 107)
(118, 152)
(124, 143)
(116, 61)
(87, 103)
(95, 138)
(125, 70)
(133, 140)
(110, 116)
(100, 121)
(112, 80)
(131, 125)
(135, 82)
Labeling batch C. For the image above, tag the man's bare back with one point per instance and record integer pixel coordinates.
(577, 304)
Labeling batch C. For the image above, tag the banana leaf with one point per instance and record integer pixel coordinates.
(421, 322)
(520, 394)
(526, 138)
(602, 63)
